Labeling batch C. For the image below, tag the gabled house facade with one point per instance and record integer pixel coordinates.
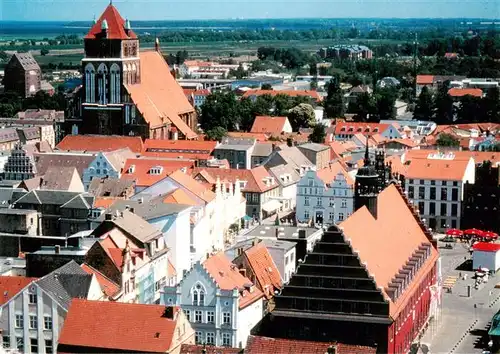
(106, 164)
(221, 303)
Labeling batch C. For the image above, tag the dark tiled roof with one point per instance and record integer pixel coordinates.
(58, 178)
(79, 161)
(208, 349)
(26, 60)
(110, 187)
(65, 283)
(135, 226)
(8, 134)
(151, 209)
(79, 201)
(50, 197)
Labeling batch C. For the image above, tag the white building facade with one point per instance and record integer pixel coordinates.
(323, 202)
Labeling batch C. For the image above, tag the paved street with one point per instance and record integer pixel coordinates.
(463, 325)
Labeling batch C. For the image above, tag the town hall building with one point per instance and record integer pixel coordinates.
(126, 92)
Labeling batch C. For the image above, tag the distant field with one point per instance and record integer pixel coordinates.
(67, 56)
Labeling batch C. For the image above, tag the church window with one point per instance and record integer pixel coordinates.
(115, 83)
(89, 83)
(198, 295)
(102, 82)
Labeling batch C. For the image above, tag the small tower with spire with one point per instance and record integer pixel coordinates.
(366, 187)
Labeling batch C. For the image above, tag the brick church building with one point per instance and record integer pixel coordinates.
(128, 92)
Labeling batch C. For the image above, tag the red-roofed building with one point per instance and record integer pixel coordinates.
(375, 289)
(11, 285)
(347, 130)
(461, 92)
(136, 328)
(253, 94)
(266, 345)
(147, 171)
(102, 143)
(128, 92)
(271, 125)
(200, 151)
(108, 287)
(236, 304)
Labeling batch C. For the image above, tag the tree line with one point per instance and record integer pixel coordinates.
(11, 102)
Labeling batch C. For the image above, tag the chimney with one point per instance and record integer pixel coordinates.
(131, 210)
(240, 251)
(255, 241)
(140, 200)
(332, 349)
(243, 272)
(57, 249)
(302, 233)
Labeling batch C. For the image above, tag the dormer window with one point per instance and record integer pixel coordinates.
(131, 169)
(157, 170)
(375, 130)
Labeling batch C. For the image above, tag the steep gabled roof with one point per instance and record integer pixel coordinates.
(189, 183)
(134, 327)
(140, 170)
(12, 285)
(109, 287)
(26, 60)
(58, 178)
(270, 125)
(116, 25)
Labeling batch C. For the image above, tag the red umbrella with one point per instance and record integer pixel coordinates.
(474, 232)
(454, 232)
(490, 235)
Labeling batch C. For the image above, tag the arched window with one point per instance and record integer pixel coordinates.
(102, 83)
(89, 83)
(134, 74)
(115, 83)
(125, 74)
(198, 293)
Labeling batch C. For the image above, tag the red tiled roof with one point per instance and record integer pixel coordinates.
(129, 327)
(158, 96)
(100, 143)
(178, 196)
(227, 277)
(116, 25)
(406, 142)
(352, 128)
(460, 92)
(141, 171)
(437, 169)
(104, 202)
(264, 268)
(208, 349)
(202, 92)
(486, 247)
(293, 93)
(425, 79)
(10, 286)
(329, 174)
(190, 184)
(179, 147)
(112, 250)
(396, 232)
(254, 178)
(270, 125)
(261, 137)
(109, 287)
(266, 345)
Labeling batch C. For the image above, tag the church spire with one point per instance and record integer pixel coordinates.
(367, 161)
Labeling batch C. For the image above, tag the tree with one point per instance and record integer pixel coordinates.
(363, 106)
(216, 133)
(384, 103)
(44, 51)
(443, 106)
(491, 104)
(318, 134)
(245, 114)
(220, 109)
(447, 140)
(6, 110)
(301, 116)
(266, 87)
(470, 110)
(424, 105)
(334, 103)
(313, 86)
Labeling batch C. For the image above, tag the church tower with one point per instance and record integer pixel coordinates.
(111, 62)
(367, 186)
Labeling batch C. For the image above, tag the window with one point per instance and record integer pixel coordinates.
(443, 209)
(411, 181)
(210, 338)
(331, 216)
(198, 337)
(6, 341)
(454, 194)
(432, 194)
(33, 322)
(198, 295)
(410, 192)
(341, 216)
(421, 192)
(444, 194)
(433, 183)
(306, 214)
(226, 339)
(198, 316)
(432, 208)
(34, 345)
(19, 321)
(188, 315)
(455, 184)
(226, 318)
(443, 183)
(421, 207)
(32, 298)
(454, 209)
(48, 346)
(306, 201)
(319, 201)
(210, 317)
(20, 344)
(332, 202)
(47, 322)
(344, 203)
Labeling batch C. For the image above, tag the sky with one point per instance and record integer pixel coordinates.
(82, 10)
